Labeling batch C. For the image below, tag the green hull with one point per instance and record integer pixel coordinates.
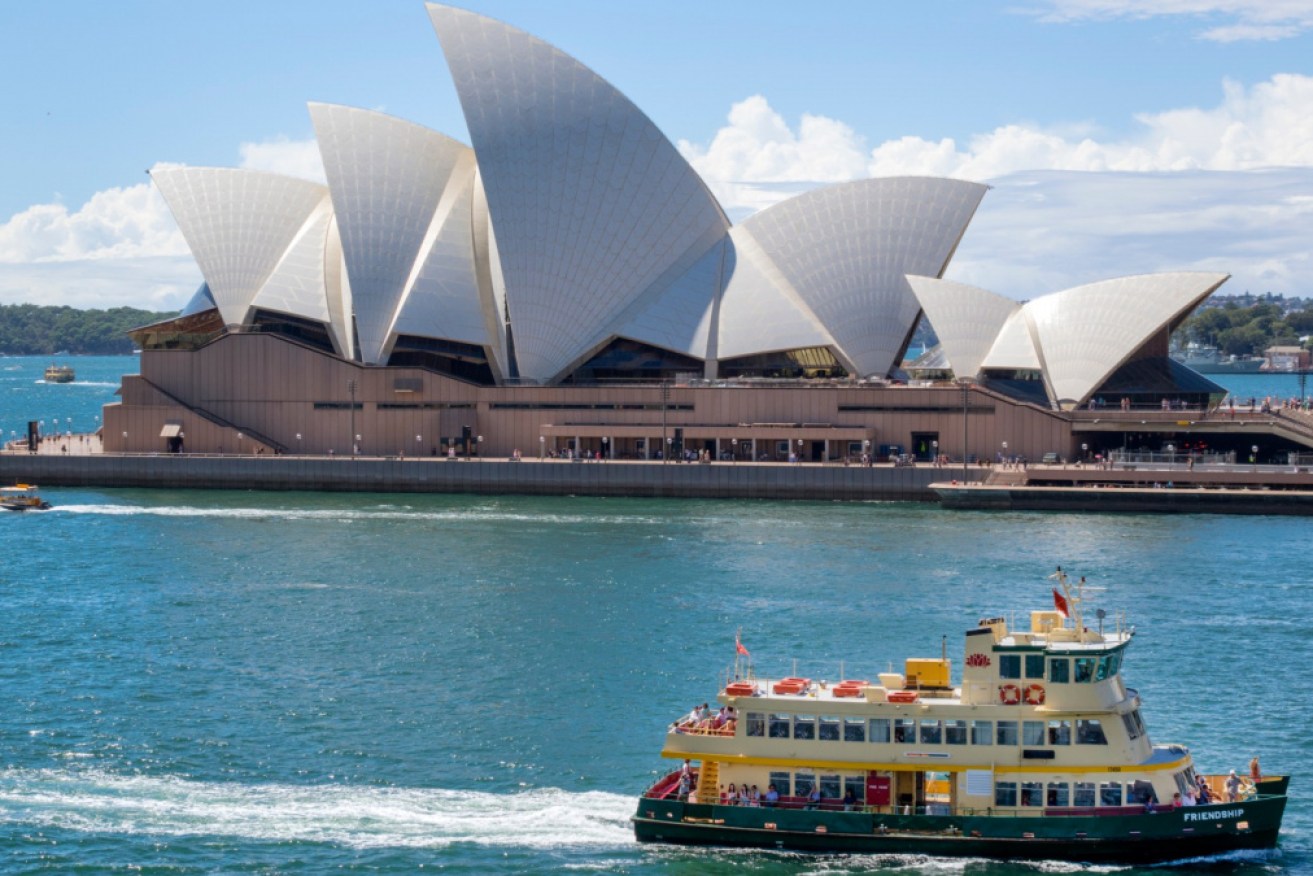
(1165, 836)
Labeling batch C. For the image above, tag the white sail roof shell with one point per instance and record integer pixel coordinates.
(846, 251)
(966, 319)
(1084, 334)
(1014, 348)
(386, 176)
(238, 224)
(592, 205)
(760, 311)
(297, 285)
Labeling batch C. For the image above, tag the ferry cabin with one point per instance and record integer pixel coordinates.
(1041, 725)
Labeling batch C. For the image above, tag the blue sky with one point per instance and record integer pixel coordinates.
(1120, 137)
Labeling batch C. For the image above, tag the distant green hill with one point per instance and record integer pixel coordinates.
(33, 330)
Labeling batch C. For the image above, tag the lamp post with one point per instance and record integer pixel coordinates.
(1085, 452)
(1253, 456)
(542, 447)
(934, 449)
(239, 443)
(799, 451)
(478, 447)
(734, 443)
(1171, 454)
(299, 451)
(182, 441)
(351, 388)
(419, 445)
(125, 442)
(355, 448)
(665, 457)
(606, 447)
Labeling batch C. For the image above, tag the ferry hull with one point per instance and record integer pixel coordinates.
(1164, 836)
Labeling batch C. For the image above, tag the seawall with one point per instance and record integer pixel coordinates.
(491, 477)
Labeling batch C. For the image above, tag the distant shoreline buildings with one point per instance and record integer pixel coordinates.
(567, 283)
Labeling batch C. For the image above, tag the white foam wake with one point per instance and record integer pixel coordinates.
(348, 515)
(352, 816)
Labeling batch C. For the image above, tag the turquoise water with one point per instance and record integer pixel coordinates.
(195, 682)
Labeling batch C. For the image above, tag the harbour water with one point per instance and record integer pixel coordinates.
(195, 682)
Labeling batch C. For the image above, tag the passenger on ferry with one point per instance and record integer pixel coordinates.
(733, 794)
(849, 801)
(1176, 800)
(1189, 798)
(772, 797)
(1205, 795)
(1232, 787)
(1255, 771)
(814, 798)
(724, 798)
(754, 797)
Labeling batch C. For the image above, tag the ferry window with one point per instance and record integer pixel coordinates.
(783, 784)
(1059, 733)
(1034, 665)
(829, 728)
(831, 787)
(1110, 794)
(1005, 793)
(1084, 794)
(1009, 666)
(856, 784)
(1134, 726)
(955, 732)
(804, 727)
(879, 729)
(982, 732)
(1032, 793)
(931, 732)
(802, 784)
(1186, 781)
(1089, 731)
(1102, 671)
(779, 726)
(1059, 670)
(854, 729)
(1057, 795)
(756, 724)
(1007, 733)
(1139, 793)
(1032, 732)
(1114, 663)
(904, 730)
(1084, 670)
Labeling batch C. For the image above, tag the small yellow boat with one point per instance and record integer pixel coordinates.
(60, 374)
(22, 497)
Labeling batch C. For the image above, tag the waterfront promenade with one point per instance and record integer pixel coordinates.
(83, 464)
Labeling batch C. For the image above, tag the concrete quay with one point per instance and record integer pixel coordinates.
(721, 480)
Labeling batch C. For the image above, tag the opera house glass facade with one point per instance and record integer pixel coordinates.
(567, 282)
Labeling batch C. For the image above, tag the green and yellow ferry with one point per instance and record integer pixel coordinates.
(1039, 753)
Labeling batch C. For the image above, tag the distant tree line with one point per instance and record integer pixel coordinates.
(1239, 330)
(34, 330)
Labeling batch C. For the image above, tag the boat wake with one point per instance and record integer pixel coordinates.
(345, 515)
(350, 816)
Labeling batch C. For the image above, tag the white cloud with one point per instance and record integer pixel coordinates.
(1243, 20)
(298, 158)
(1227, 188)
(122, 247)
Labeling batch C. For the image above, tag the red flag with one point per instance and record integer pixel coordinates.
(1060, 603)
(738, 647)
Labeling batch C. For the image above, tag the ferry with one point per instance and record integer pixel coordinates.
(60, 374)
(22, 497)
(1040, 752)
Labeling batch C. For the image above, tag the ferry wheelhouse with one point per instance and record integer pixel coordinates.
(1040, 752)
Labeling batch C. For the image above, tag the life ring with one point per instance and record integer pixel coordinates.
(1009, 694)
(1035, 694)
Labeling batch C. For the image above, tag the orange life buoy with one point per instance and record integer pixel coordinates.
(1009, 694)
(1035, 694)
(740, 689)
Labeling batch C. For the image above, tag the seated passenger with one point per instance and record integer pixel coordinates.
(754, 797)
(772, 798)
(814, 798)
(1205, 793)
(849, 801)
(733, 794)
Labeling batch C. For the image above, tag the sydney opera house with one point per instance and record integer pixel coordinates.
(568, 282)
